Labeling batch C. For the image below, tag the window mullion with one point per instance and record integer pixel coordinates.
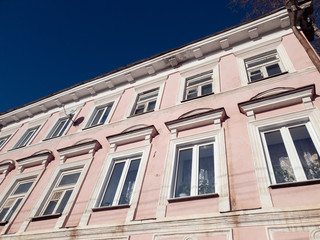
(194, 168)
(59, 201)
(121, 183)
(292, 153)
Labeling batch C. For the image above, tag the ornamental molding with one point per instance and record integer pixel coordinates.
(6, 166)
(88, 146)
(196, 118)
(143, 133)
(278, 100)
(40, 158)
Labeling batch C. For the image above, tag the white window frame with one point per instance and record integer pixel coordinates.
(290, 148)
(23, 177)
(198, 87)
(262, 67)
(109, 105)
(255, 127)
(19, 144)
(63, 189)
(62, 130)
(220, 168)
(124, 173)
(145, 102)
(4, 140)
(143, 153)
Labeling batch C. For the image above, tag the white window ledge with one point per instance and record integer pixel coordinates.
(42, 158)
(81, 148)
(271, 100)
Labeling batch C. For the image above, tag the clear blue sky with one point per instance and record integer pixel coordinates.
(48, 45)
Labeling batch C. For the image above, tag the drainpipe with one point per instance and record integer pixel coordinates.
(293, 15)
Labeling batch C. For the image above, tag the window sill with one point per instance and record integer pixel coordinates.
(190, 198)
(98, 209)
(205, 95)
(45, 217)
(97, 125)
(294, 184)
(3, 223)
(138, 114)
(272, 76)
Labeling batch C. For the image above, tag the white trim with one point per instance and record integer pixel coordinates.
(261, 169)
(34, 160)
(144, 152)
(220, 163)
(195, 235)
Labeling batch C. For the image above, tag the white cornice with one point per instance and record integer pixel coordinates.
(88, 147)
(283, 99)
(153, 65)
(35, 160)
(144, 133)
(196, 120)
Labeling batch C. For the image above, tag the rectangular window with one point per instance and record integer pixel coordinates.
(59, 128)
(14, 199)
(26, 137)
(61, 192)
(194, 170)
(121, 182)
(264, 65)
(3, 141)
(292, 153)
(99, 115)
(146, 102)
(198, 85)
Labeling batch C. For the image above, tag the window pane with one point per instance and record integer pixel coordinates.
(58, 131)
(183, 178)
(273, 69)
(256, 75)
(64, 201)
(192, 93)
(23, 188)
(148, 95)
(105, 115)
(307, 152)
(3, 213)
(139, 109)
(279, 158)
(69, 179)
(97, 116)
(262, 61)
(16, 204)
(206, 170)
(206, 89)
(113, 185)
(129, 182)
(50, 207)
(151, 105)
(198, 81)
(26, 138)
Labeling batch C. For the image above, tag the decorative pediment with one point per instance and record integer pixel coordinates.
(197, 118)
(143, 133)
(87, 146)
(39, 158)
(6, 166)
(280, 98)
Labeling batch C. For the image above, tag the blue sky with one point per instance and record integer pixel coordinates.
(48, 45)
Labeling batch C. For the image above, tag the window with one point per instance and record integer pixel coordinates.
(59, 128)
(198, 85)
(14, 199)
(146, 102)
(61, 192)
(26, 137)
(263, 65)
(120, 185)
(194, 170)
(3, 140)
(99, 115)
(292, 153)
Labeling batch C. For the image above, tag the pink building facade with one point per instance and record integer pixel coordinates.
(215, 140)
